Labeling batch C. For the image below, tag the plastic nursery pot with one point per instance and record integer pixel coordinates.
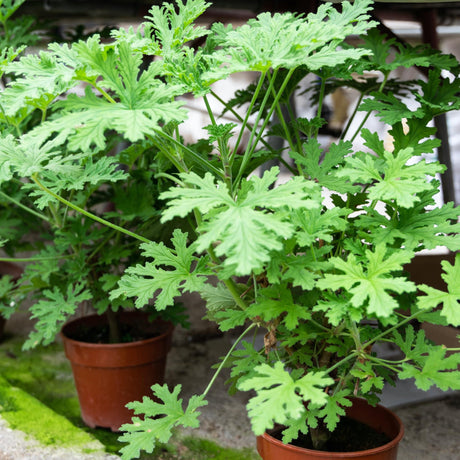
(379, 418)
(15, 271)
(108, 376)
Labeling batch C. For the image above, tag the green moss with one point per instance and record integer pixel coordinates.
(203, 449)
(192, 448)
(27, 414)
(44, 373)
(38, 396)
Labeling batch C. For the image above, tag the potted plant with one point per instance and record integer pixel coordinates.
(316, 262)
(75, 260)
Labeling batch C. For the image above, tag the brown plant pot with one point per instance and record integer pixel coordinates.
(379, 418)
(15, 271)
(108, 376)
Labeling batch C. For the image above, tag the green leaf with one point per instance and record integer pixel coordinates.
(418, 227)
(319, 224)
(222, 132)
(38, 77)
(94, 116)
(217, 298)
(337, 309)
(144, 281)
(281, 397)
(59, 172)
(440, 95)
(53, 311)
(334, 408)
(414, 133)
(389, 54)
(389, 108)
(322, 166)
(272, 304)
(302, 269)
(393, 179)
(413, 344)
(159, 419)
(449, 300)
(246, 358)
(368, 379)
(299, 425)
(174, 23)
(289, 40)
(139, 105)
(369, 281)
(437, 369)
(230, 318)
(242, 363)
(245, 229)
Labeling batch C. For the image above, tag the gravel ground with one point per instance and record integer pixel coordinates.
(15, 445)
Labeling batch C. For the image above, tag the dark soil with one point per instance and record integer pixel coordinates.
(128, 333)
(349, 436)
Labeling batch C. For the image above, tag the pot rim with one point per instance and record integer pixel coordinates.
(168, 329)
(355, 454)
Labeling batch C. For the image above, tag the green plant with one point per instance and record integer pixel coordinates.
(16, 221)
(75, 261)
(325, 282)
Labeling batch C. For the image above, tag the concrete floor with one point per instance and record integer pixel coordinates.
(431, 419)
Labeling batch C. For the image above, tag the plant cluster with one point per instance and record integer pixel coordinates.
(76, 261)
(324, 282)
(16, 33)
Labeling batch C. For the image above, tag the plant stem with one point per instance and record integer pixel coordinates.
(322, 91)
(87, 213)
(114, 327)
(368, 114)
(170, 177)
(353, 115)
(248, 113)
(229, 283)
(20, 205)
(281, 119)
(216, 374)
(382, 362)
(247, 125)
(205, 163)
(223, 149)
(253, 142)
(352, 355)
(105, 94)
(394, 328)
(31, 259)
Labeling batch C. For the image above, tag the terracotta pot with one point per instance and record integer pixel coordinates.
(108, 376)
(15, 271)
(379, 418)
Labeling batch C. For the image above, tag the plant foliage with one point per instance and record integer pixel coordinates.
(316, 259)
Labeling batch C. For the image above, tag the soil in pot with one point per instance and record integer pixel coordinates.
(349, 436)
(375, 418)
(129, 332)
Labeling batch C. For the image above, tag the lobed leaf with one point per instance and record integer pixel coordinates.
(280, 397)
(159, 419)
